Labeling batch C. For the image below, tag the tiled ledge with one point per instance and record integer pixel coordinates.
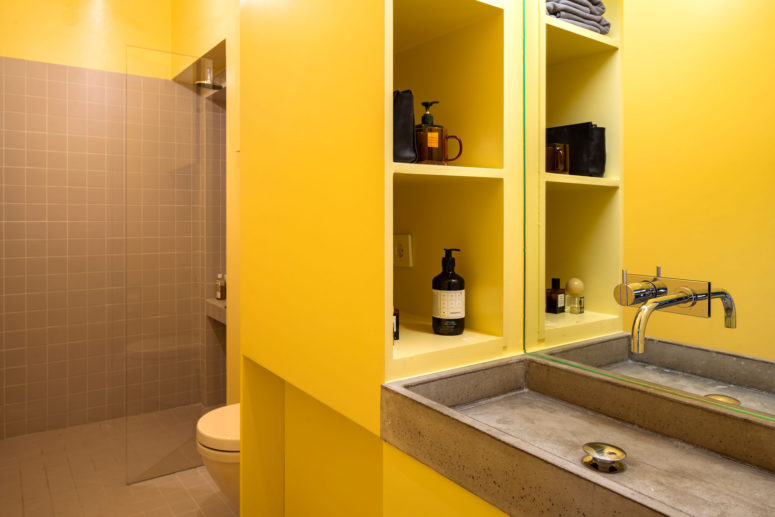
(216, 309)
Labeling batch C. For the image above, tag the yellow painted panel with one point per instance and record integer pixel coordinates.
(198, 26)
(698, 189)
(333, 467)
(463, 70)
(262, 457)
(411, 488)
(85, 33)
(312, 198)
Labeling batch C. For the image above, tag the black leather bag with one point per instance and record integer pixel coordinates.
(404, 141)
(586, 147)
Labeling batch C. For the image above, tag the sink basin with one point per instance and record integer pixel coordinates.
(691, 370)
(511, 431)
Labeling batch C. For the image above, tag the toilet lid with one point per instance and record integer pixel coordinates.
(219, 429)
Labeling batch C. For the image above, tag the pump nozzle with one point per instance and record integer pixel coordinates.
(448, 262)
(427, 118)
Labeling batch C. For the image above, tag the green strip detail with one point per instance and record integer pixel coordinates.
(524, 191)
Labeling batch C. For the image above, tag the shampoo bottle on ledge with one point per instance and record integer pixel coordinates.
(449, 298)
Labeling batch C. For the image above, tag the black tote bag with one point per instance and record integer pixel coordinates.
(404, 142)
(586, 147)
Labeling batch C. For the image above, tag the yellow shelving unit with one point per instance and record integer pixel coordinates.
(460, 53)
(574, 223)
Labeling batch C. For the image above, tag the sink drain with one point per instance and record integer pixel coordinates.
(723, 398)
(604, 457)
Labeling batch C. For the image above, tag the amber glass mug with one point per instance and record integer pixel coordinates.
(432, 146)
(557, 158)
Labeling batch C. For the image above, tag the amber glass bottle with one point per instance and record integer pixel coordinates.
(432, 140)
(555, 298)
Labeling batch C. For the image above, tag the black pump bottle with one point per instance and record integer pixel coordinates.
(449, 298)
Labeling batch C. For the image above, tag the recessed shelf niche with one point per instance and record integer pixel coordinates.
(451, 51)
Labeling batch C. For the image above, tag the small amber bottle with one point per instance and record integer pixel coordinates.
(555, 298)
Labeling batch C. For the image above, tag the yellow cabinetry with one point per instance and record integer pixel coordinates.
(573, 223)
(320, 201)
(465, 54)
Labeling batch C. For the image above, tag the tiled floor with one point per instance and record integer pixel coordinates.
(80, 471)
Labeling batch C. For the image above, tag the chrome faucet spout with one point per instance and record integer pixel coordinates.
(638, 339)
(676, 295)
(730, 312)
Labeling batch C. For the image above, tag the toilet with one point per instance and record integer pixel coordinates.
(218, 442)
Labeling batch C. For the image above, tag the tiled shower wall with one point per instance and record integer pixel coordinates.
(102, 252)
(63, 246)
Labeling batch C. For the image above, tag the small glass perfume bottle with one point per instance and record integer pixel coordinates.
(574, 296)
(555, 298)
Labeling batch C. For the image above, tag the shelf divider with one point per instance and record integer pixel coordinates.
(446, 170)
(566, 327)
(558, 181)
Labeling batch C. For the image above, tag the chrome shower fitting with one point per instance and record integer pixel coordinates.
(658, 293)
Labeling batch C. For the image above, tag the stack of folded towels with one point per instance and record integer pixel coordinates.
(584, 13)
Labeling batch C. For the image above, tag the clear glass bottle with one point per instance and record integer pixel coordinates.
(574, 296)
(220, 287)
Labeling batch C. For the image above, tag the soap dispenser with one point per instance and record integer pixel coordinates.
(432, 140)
(449, 298)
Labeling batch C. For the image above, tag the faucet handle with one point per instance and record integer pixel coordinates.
(636, 293)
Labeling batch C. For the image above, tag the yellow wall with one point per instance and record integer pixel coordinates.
(699, 180)
(312, 285)
(411, 488)
(198, 26)
(85, 33)
(262, 422)
(333, 467)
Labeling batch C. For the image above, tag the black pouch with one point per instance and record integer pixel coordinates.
(586, 147)
(404, 141)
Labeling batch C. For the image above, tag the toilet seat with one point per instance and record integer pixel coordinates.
(218, 430)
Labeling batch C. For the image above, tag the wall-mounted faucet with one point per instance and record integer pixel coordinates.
(677, 295)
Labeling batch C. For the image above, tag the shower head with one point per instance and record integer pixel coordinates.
(206, 75)
(210, 86)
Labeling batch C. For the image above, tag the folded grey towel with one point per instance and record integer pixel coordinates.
(568, 10)
(554, 7)
(573, 3)
(603, 27)
(595, 28)
(594, 7)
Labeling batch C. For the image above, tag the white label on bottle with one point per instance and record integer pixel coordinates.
(560, 300)
(450, 305)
